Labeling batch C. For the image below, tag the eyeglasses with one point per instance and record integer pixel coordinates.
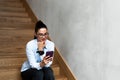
(41, 35)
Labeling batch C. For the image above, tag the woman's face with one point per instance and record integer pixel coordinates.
(42, 35)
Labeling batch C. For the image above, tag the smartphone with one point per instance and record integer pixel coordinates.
(49, 53)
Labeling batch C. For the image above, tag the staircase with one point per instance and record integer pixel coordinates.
(16, 29)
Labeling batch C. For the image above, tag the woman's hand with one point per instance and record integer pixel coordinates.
(46, 60)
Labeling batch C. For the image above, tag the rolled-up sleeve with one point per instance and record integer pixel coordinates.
(31, 57)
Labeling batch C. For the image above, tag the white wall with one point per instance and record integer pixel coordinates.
(86, 33)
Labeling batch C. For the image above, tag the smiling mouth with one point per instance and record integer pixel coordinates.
(43, 39)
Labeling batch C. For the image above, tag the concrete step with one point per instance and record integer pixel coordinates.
(12, 9)
(15, 19)
(13, 14)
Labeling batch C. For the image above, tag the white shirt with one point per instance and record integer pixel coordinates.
(33, 58)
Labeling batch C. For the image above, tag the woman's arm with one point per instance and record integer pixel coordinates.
(31, 57)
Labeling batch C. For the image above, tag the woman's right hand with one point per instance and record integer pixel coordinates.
(46, 60)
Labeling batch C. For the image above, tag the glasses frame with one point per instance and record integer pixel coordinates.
(41, 35)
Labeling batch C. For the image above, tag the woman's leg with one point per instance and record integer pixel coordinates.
(48, 74)
(38, 75)
(32, 74)
(26, 75)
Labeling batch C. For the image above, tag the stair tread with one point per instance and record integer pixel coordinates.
(11, 73)
(13, 14)
(5, 61)
(13, 55)
(15, 66)
(15, 26)
(15, 19)
(12, 9)
(9, 0)
(60, 77)
(11, 4)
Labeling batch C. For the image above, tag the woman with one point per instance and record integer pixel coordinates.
(37, 66)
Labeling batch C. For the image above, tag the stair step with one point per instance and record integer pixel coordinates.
(13, 45)
(16, 63)
(14, 74)
(11, 4)
(11, 62)
(10, 67)
(56, 69)
(10, 0)
(10, 74)
(14, 36)
(17, 26)
(12, 9)
(13, 14)
(15, 39)
(16, 33)
(15, 19)
(60, 77)
(13, 55)
(8, 51)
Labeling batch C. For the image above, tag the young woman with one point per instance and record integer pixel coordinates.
(37, 66)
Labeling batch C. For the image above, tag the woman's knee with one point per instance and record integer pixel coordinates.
(48, 74)
(38, 75)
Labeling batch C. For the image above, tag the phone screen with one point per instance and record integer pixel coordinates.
(49, 53)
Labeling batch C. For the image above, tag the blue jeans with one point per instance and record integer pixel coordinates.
(45, 73)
